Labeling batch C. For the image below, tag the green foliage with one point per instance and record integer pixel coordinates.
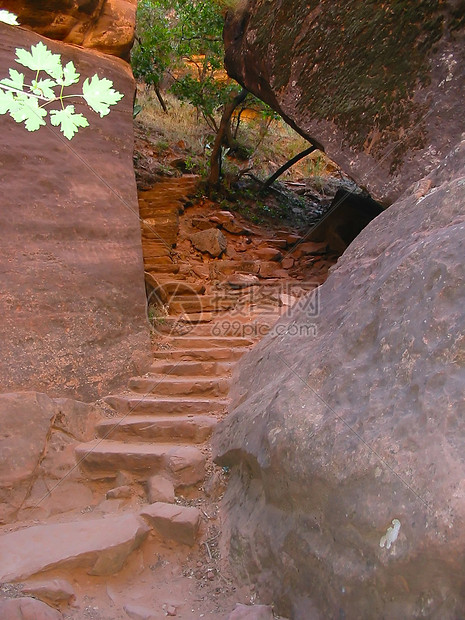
(8, 18)
(100, 95)
(152, 54)
(183, 39)
(26, 99)
(68, 121)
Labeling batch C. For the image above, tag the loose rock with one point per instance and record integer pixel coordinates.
(211, 241)
(138, 612)
(160, 489)
(53, 591)
(119, 492)
(179, 523)
(268, 254)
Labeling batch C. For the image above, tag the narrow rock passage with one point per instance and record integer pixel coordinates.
(151, 541)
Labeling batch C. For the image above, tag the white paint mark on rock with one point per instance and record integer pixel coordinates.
(391, 535)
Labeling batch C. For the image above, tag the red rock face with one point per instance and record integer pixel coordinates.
(105, 25)
(346, 437)
(72, 301)
(378, 85)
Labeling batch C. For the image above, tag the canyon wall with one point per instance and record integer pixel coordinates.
(104, 25)
(378, 85)
(72, 301)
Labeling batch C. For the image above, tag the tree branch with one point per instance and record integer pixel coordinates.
(287, 165)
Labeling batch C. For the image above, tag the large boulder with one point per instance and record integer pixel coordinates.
(105, 25)
(346, 439)
(378, 85)
(72, 301)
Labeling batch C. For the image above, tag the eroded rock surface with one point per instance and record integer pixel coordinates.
(72, 300)
(37, 439)
(25, 608)
(104, 25)
(346, 439)
(378, 85)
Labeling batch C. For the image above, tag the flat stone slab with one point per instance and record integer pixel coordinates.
(146, 405)
(178, 523)
(103, 458)
(206, 354)
(196, 428)
(101, 546)
(183, 386)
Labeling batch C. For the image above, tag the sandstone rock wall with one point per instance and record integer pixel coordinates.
(349, 425)
(105, 25)
(72, 302)
(378, 85)
(37, 439)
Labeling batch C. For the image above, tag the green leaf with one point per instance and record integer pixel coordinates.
(40, 58)
(70, 75)
(44, 88)
(99, 94)
(68, 120)
(6, 100)
(16, 80)
(26, 110)
(8, 18)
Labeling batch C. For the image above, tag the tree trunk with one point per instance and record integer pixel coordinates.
(288, 165)
(160, 99)
(215, 159)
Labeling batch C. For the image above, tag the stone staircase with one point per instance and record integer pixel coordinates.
(163, 421)
(212, 312)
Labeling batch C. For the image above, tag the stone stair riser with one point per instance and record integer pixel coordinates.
(167, 386)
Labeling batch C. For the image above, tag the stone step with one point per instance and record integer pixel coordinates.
(202, 322)
(128, 404)
(213, 342)
(187, 369)
(161, 260)
(156, 249)
(195, 318)
(99, 459)
(168, 198)
(153, 266)
(222, 268)
(224, 328)
(179, 386)
(150, 209)
(201, 303)
(207, 354)
(176, 188)
(191, 428)
(99, 545)
(181, 288)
